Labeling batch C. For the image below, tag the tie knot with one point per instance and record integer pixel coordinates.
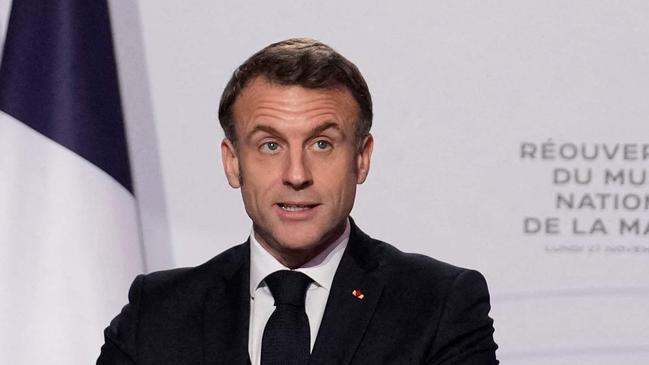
(288, 287)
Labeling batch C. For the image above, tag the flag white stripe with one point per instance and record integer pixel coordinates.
(69, 248)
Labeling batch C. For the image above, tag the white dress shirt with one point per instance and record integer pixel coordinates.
(321, 269)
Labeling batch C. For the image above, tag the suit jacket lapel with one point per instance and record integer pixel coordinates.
(347, 316)
(226, 315)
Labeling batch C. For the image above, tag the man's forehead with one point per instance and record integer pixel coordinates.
(262, 100)
(261, 88)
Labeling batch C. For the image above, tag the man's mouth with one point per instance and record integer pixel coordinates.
(296, 207)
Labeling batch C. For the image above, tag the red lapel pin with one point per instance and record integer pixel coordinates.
(358, 294)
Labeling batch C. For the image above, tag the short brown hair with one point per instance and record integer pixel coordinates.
(303, 62)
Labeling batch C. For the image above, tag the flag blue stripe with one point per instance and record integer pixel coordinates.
(58, 76)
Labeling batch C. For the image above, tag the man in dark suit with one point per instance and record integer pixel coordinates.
(308, 287)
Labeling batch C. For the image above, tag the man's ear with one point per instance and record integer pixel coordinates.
(230, 163)
(363, 159)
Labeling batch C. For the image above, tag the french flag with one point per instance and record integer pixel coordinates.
(69, 234)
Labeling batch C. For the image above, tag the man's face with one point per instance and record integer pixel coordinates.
(297, 162)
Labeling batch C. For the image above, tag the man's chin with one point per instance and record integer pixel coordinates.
(298, 246)
(298, 243)
(303, 239)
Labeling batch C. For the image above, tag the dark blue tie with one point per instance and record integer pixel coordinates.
(286, 339)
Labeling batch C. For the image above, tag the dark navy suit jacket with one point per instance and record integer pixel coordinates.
(415, 310)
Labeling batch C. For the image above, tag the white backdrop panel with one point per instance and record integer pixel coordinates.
(458, 88)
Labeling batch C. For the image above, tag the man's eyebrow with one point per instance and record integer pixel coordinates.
(264, 128)
(327, 125)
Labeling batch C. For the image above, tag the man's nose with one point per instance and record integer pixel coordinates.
(297, 174)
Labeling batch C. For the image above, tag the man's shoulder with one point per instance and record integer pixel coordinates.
(197, 279)
(394, 263)
(397, 263)
(417, 273)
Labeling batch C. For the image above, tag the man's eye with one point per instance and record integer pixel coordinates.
(269, 147)
(322, 145)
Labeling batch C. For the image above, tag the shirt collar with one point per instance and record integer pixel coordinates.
(321, 269)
